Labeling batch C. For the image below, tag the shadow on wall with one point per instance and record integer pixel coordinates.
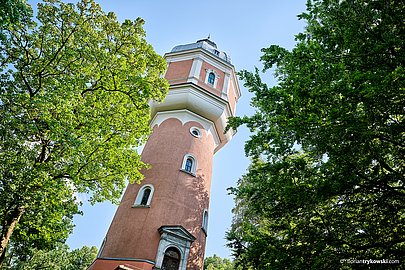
(197, 186)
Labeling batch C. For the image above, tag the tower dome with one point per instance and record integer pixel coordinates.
(205, 44)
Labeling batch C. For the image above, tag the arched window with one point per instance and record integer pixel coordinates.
(144, 196)
(205, 221)
(189, 164)
(211, 78)
(171, 260)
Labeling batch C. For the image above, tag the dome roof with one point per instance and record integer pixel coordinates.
(205, 44)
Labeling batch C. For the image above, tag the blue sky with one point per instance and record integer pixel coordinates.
(241, 29)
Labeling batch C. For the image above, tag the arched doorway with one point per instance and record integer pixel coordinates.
(171, 260)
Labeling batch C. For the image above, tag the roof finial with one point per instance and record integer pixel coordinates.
(209, 35)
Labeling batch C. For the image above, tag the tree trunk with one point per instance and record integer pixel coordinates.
(8, 229)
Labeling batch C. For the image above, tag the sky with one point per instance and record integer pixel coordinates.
(241, 29)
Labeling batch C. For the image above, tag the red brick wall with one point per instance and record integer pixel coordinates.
(179, 198)
(178, 71)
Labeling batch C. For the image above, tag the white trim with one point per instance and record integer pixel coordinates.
(194, 98)
(186, 116)
(195, 70)
(196, 130)
(200, 53)
(208, 58)
(225, 88)
(199, 100)
(216, 77)
(139, 196)
(236, 87)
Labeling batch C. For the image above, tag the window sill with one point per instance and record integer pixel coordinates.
(190, 173)
(140, 206)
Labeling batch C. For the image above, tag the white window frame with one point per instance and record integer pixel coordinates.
(193, 167)
(207, 74)
(197, 130)
(139, 197)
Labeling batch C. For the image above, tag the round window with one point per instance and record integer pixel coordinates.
(195, 132)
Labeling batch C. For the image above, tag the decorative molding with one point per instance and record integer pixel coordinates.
(203, 55)
(196, 99)
(225, 88)
(210, 59)
(236, 87)
(185, 116)
(195, 70)
(177, 237)
(178, 231)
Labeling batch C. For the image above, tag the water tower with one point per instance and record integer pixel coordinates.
(162, 223)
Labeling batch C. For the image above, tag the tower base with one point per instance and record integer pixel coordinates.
(116, 264)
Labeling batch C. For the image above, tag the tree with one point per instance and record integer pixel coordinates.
(217, 263)
(59, 258)
(75, 86)
(326, 181)
(11, 11)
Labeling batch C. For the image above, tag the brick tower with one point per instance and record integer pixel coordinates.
(162, 223)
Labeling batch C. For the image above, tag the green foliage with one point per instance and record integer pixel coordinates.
(75, 86)
(327, 178)
(217, 263)
(12, 11)
(59, 258)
